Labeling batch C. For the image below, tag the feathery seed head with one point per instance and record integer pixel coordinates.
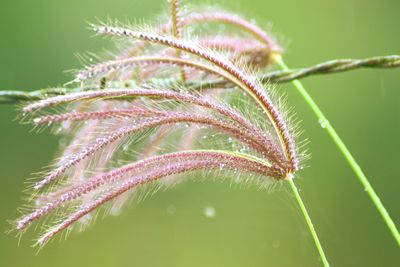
(132, 118)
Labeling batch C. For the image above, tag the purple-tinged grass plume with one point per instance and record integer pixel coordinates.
(138, 119)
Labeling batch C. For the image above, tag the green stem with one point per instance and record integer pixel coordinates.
(309, 223)
(332, 66)
(346, 153)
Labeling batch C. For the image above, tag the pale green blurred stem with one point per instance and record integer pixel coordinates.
(346, 153)
(309, 222)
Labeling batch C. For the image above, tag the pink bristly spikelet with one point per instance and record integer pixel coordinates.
(151, 113)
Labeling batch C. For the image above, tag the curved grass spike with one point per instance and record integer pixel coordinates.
(76, 191)
(213, 17)
(342, 147)
(237, 21)
(242, 80)
(103, 68)
(166, 118)
(248, 136)
(158, 173)
(230, 113)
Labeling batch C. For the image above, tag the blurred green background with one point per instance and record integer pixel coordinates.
(250, 227)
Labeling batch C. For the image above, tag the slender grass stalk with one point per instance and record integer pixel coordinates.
(346, 153)
(309, 222)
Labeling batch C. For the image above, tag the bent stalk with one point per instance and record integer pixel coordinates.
(309, 223)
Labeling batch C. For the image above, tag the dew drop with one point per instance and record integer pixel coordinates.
(66, 124)
(209, 212)
(323, 123)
